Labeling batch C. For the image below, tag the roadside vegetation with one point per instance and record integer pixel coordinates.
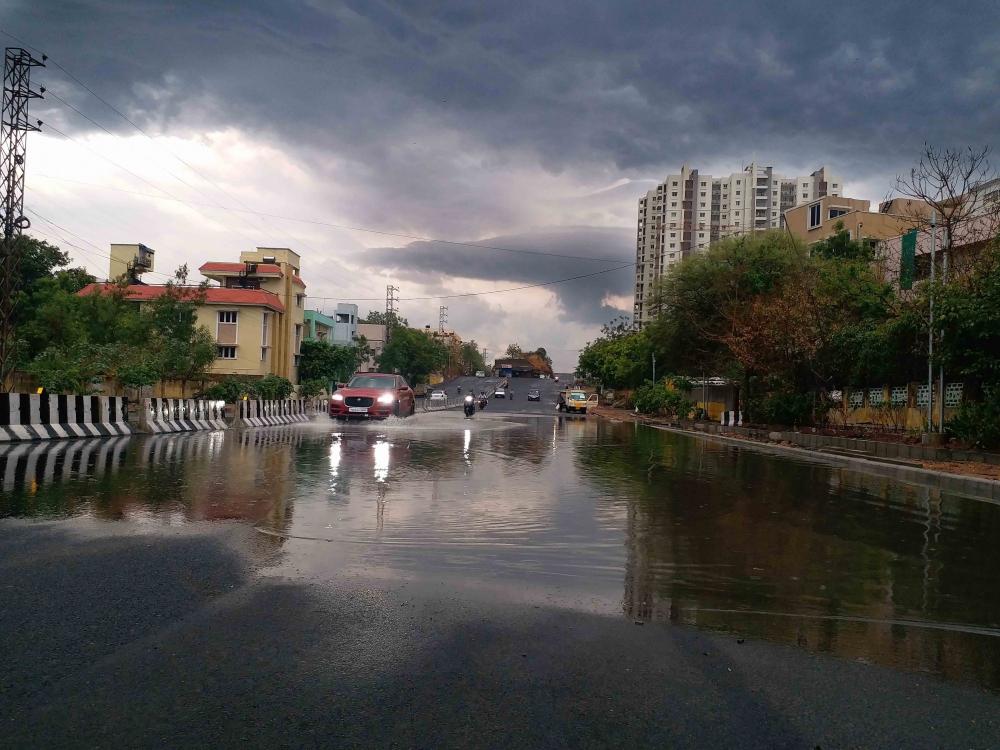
(793, 324)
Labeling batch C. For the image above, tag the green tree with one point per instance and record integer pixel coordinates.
(390, 320)
(328, 362)
(413, 354)
(471, 358)
(513, 350)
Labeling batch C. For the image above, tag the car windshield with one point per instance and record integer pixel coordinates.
(578, 396)
(438, 393)
(373, 381)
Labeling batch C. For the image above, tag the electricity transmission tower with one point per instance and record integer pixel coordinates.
(13, 146)
(391, 300)
(442, 318)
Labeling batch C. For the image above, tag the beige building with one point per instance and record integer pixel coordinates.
(374, 334)
(255, 313)
(819, 219)
(688, 211)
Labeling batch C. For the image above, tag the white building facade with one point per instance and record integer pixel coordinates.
(686, 212)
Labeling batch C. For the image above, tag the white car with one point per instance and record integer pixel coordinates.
(438, 396)
(499, 393)
(480, 374)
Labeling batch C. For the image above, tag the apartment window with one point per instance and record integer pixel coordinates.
(835, 212)
(673, 234)
(673, 214)
(805, 185)
(737, 203)
(815, 215)
(702, 215)
(299, 299)
(673, 184)
(834, 186)
(674, 204)
(725, 206)
(673, 244)
(225, 352)
(737, 192)
(702, 195)
(701, 234)
(227, 328)
(298, 337)
(673, 194)
(805, 196)
(263, 354)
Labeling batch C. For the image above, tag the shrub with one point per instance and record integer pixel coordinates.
(272, 387)
(978, 422)
(659, 399)
(229, 390)
(312, 388)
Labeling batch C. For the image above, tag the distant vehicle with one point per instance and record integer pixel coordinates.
(555, 378)
(438, 396)
(373, 395)
(420, 390)
(480, 374)
(534, 396)
(578, 401)
(499, 393)
(469, 406)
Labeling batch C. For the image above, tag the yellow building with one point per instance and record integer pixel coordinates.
(818, 220)
(256, 313)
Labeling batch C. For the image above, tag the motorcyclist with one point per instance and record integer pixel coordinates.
(561, 403)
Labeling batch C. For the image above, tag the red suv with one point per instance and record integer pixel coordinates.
(373, 395)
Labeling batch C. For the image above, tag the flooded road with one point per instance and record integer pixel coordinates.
(583, 515)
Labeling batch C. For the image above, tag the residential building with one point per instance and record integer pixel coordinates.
(319, 327)
(688, 211)
(256, 313)
(822, 218)
(374, 335)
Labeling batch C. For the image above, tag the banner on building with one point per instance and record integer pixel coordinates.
(907, 260)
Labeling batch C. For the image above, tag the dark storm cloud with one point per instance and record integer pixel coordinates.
(441, 118)
(432, 264)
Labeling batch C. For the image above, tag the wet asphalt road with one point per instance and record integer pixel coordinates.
(522, 581)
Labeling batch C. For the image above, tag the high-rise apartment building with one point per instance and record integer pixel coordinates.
(688, 211)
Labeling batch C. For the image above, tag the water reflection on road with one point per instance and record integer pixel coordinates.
(615, 517)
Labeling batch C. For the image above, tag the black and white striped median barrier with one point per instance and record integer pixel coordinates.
(268, 413)
(731, 419)
(33, 416)
(181, 415)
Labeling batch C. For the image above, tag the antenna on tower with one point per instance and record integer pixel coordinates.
(13, 148)
(442, 318)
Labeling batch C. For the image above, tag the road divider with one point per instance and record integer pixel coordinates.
(181, 415)
(34, 416)
(267, 413)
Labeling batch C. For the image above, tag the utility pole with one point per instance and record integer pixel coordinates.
(945, 252)
(442, 318)
(653, 354)
(930, 331)
(14, 131)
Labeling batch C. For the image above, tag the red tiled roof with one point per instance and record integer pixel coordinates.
(214, 295)
(300, 282)
(224, 268)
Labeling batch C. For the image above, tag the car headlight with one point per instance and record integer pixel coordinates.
(337, 397)
(386, 398)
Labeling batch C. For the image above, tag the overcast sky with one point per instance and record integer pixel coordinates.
(533, 126)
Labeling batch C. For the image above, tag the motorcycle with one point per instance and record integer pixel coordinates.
(469, 407)
(482, 402)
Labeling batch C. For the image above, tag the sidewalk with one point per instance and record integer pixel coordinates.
(981, 465)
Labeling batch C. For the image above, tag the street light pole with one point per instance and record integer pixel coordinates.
(653, 354)
(930, 331)
(944, 280)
